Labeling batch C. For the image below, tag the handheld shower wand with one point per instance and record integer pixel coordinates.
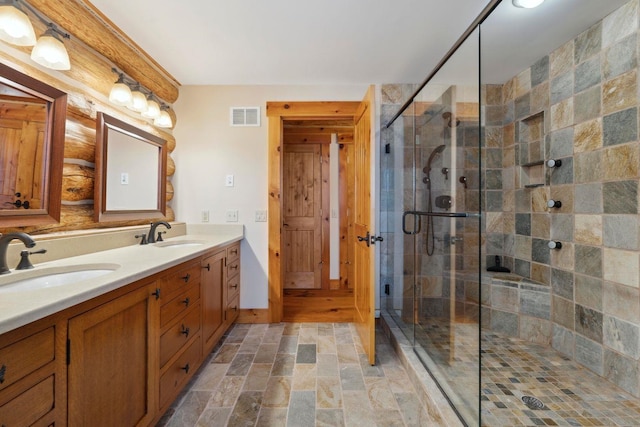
(427, 180)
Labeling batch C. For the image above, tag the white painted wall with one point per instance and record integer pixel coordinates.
(208, 149)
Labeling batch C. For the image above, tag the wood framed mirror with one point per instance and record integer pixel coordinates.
(130, 172)
(32, 132)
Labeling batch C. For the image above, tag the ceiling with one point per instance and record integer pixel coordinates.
(225, 42)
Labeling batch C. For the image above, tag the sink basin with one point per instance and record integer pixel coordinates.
(179, 243)
(53, 277)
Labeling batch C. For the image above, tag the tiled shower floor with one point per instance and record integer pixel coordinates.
(513, 368)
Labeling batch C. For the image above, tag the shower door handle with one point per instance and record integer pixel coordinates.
(418, 214)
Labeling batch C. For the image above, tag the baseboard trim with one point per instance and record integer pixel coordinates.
(253, 315)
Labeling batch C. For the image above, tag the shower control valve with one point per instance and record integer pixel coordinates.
(554, 245)
(552, 163)
(554, 203)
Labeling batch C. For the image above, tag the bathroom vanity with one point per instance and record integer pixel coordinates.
(118, 348)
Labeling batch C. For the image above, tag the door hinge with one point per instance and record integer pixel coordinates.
(68, 352)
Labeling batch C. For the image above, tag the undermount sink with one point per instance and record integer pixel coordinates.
(53, 277)
(179, 243)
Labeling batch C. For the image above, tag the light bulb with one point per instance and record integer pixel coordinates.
(153, 108)
(15, 27)
(527, 4)
(138, 101)
(120, 94)
(163, 120)
(50, 52)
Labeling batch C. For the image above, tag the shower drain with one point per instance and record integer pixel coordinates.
(533, 403)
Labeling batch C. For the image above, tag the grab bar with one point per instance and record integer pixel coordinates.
(417, 225)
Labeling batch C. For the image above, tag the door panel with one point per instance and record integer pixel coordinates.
(302, 222)
(364, 227)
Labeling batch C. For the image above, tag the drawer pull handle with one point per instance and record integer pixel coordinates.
(208, 267)
(186, 301)
(186, 278)
(233, 267)
(235, 286)
(157, 294)
(235, 308)
(185, 368)
(3, 371)
(185, 331)
(234, 251)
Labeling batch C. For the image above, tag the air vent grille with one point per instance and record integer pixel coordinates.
(245, 116)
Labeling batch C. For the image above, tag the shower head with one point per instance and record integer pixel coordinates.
(439, 149)
(448, 116)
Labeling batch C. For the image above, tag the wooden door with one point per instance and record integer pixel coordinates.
(363, 227)
(302, 220)
(111, 368)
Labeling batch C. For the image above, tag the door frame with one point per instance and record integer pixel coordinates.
(277, 113)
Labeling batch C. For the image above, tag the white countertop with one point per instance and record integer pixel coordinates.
(20, 307)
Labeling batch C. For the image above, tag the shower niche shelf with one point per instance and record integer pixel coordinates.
(530, 149)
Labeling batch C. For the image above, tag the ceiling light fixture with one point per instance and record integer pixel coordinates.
(164, 119)
(527, 4)
(49, 51)
(15, 26)
(120, 92)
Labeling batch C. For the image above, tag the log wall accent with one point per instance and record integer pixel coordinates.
(95, 47)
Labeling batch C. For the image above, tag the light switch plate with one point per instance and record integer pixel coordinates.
(231, 215)
(205, 216)
(261, 216)
(124, 178)
(228, 181)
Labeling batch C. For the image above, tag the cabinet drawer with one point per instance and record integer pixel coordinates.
(30, 406)
(180, 371)
(180, 279)
(179, 304)
(233, 252)
(233, 287)
(25, 356)
(233, 268)
(179, 334)
(233, 308)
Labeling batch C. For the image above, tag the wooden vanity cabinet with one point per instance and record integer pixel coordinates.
(112, 363)
(213, 304)
(120, 359)
(30, 383)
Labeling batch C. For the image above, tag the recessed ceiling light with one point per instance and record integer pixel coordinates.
(527, 4)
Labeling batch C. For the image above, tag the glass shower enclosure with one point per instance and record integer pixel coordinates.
(432, 182)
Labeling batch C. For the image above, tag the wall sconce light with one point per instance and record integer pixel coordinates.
(153, 108)
(15, 26)
(120, 92)
(138, 100)
(527, 4)
(49, 51)
(164, 119)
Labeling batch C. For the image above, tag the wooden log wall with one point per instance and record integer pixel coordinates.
(96, 45)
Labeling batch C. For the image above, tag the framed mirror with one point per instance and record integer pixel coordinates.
(32, 132)
(130, 172)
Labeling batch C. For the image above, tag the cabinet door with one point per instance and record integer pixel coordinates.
(111, 366)
(213, 277)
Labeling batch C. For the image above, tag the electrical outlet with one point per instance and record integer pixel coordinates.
(261, 216)
(204, 217)
(228, 181)
(231, 215)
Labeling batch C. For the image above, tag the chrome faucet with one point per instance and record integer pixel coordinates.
(5, 239)
(151, 238)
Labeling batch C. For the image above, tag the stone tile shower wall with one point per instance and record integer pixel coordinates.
(579, 104)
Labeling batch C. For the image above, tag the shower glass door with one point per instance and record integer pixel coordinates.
(433, 214)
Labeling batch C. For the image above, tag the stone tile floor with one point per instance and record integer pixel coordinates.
(308, 374)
